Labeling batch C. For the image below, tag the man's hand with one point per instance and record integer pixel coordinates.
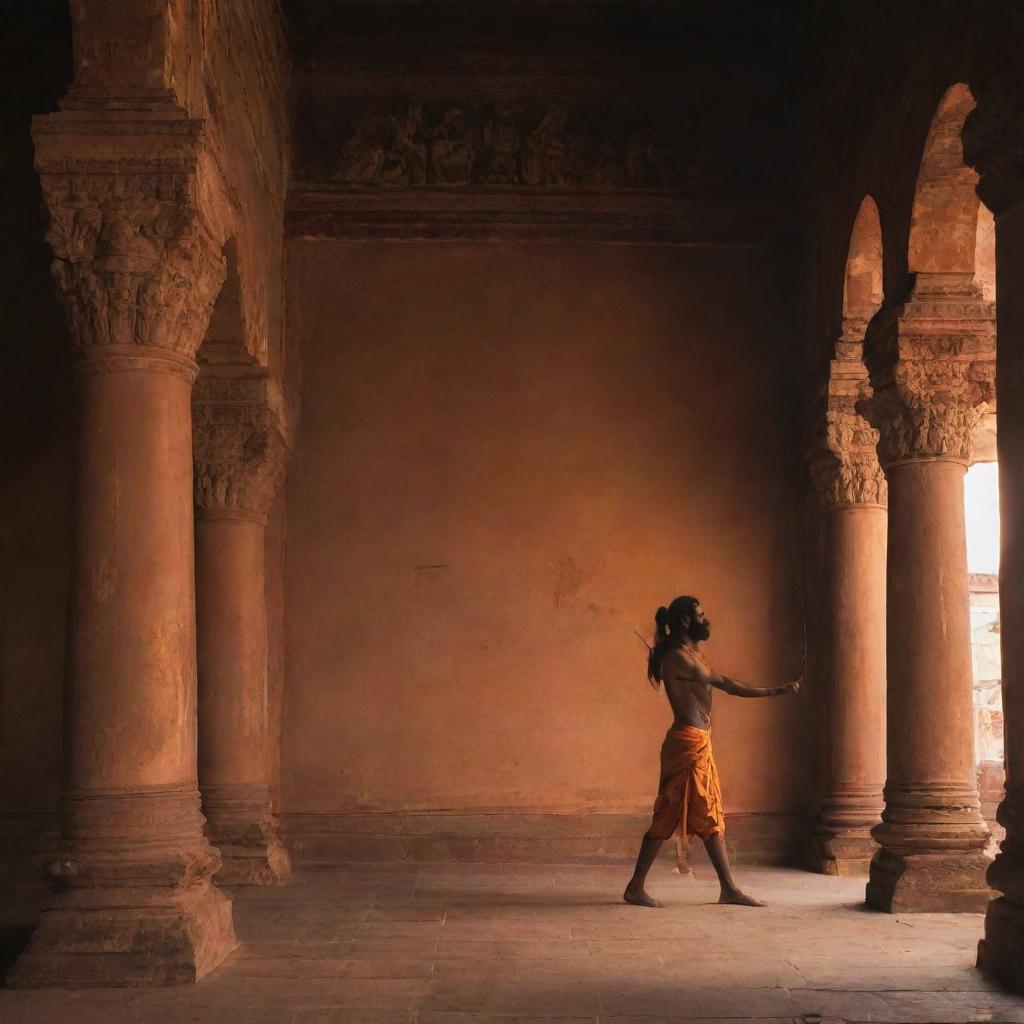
(793, 687)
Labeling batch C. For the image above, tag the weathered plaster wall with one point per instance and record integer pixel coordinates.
(508, 456)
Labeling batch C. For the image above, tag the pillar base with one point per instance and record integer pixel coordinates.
(264, 863)
(1001, 952)
(239, 822)
(945, 882)
(127, 938)
(843, 853)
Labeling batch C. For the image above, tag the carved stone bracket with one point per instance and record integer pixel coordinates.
(136, 261)
(239, 443)
(932, 366)
(844, 462)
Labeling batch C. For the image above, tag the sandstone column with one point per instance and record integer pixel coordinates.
(991, 144)
(239, 457)
(138, 270)
(932, 368)
(846, 470)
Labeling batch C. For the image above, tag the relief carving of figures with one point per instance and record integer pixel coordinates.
(407, 151)
(656, 158)
(545, 153)
(502, 144)
(499, 144)
(362, 154)
(452, 153)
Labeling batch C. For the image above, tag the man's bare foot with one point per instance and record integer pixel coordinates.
(739, 899)
(639, 898)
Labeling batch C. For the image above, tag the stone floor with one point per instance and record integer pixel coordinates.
(472, 944)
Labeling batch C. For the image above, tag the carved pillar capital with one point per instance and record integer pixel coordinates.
(239, 445)
(136, 262)
(844, 464)
(932, 367)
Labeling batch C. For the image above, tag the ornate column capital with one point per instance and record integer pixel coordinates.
(932, 366)
(137, 262)
(843, 461)
(239, 443)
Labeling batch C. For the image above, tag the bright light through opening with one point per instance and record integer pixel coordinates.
(981, 504)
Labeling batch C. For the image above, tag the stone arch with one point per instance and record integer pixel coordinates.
(862, 285)
(944, 218)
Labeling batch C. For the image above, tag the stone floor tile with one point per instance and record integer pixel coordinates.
(487, 949)
(443, 1017)
(343, 1015)
(540, 996)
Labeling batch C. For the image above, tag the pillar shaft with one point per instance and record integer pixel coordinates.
(138, 269)
(855, 659)
(932, 385)
(932, 803)
(846, 470)
(232, 651)
(239, 448)
(132, 603)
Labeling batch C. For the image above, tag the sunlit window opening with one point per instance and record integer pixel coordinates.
(981, 505)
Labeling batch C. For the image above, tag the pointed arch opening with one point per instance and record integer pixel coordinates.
(862, 287)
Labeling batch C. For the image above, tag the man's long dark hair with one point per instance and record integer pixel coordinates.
(668, 632)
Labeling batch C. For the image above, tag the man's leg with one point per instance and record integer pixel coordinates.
(635, 892)
(715, 845)
(683, 854)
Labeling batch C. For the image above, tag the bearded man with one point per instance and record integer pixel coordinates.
(689, 795)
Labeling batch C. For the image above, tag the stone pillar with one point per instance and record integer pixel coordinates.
(853, 489)
(239, 458)
(932, 368)
(138, 270)
(991, 144)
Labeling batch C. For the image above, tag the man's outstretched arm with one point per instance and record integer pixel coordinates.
(736, 687)
(740, 689)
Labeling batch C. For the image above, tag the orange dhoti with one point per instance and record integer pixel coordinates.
(689, 793)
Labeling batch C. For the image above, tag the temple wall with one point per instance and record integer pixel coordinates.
(508, 456)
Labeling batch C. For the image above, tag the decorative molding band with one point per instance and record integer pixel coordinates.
(508, 835)
(496, 214)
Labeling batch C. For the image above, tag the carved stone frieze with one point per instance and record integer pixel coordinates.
(844, 463)
(238, 442)
(515, 142)
(933, 372)
(136, 262)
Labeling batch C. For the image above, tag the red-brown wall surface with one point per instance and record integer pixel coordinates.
(508, 455)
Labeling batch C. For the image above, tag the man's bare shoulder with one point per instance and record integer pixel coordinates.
(679, 661)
